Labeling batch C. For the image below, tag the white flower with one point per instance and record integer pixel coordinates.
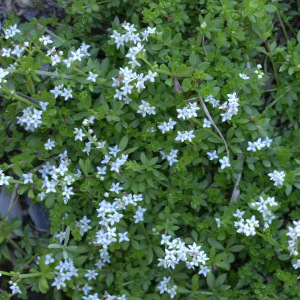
(224, 162)
(14, 288)
(67, 94)
(212, 155)
(45, 40)
(49, 259)
(123, 237)
(28, 178)
(79, 134)
(277, 177)
(92, 76)
(91, 274)
(116, 187)
(49, 145)
(206, 123)
(239, 214)
(204, 270)
(55, 59)
(244, 76)
(114, 150)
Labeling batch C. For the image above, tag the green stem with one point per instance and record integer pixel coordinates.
(146, 233)
(97, 3)
(272, 61)
(51, 33)
(6, 273)
(269, 239)
(31, 275)
(157, 70)
(288, 24)
(282, 26)
(16, 246)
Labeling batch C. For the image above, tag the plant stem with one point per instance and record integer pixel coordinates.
(31, 275)
(282, 26)
(6, 273)
(269, 239)
(272, 61)
(16, 246)
(146, 233)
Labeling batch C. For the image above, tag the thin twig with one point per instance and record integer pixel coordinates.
(213, 123)
(236, 191)
(29, 98)
(12, 203)
(203, 45)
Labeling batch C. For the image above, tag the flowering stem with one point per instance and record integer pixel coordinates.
(269, 239)
(157, 70)
(40, 72)
(6, 273)
(51, 33)
(37, 274)
(18, 97)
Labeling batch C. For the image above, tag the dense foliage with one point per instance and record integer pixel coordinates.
(163, 140)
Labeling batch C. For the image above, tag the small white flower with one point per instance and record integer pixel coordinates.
(28, 178)
(224, 162)
(212, 155)
(244, 76)
(92, 77)
(49, 145)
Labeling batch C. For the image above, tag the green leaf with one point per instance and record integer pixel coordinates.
(184, 71)
(43, 285)
(236, 248)
(215, 243)
(270, 8)
(143, 158)
(123, 143)
(193, 59)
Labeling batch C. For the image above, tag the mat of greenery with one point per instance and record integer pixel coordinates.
(163, 140)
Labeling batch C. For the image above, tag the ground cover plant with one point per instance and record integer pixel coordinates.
(162, 138)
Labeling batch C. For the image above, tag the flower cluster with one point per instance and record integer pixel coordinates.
(11, 31)
(188, 111)
(58, 177)
(247, 226)
(62, 91)
(57, 56)
(110, 214)
(165, 127)
(294, 234)
(145, 109)
(186, 135)
(230, 107)
(131, 35)
(31, 118)
(2, 75)
(64, 272)
(4, 179)
(83, 225)
(14, 288)
(165, 287)
(127, 77)
(259, 144)
(171, 157)
(277, 177)
(265, 208)
(210, 99)
(177, 251)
